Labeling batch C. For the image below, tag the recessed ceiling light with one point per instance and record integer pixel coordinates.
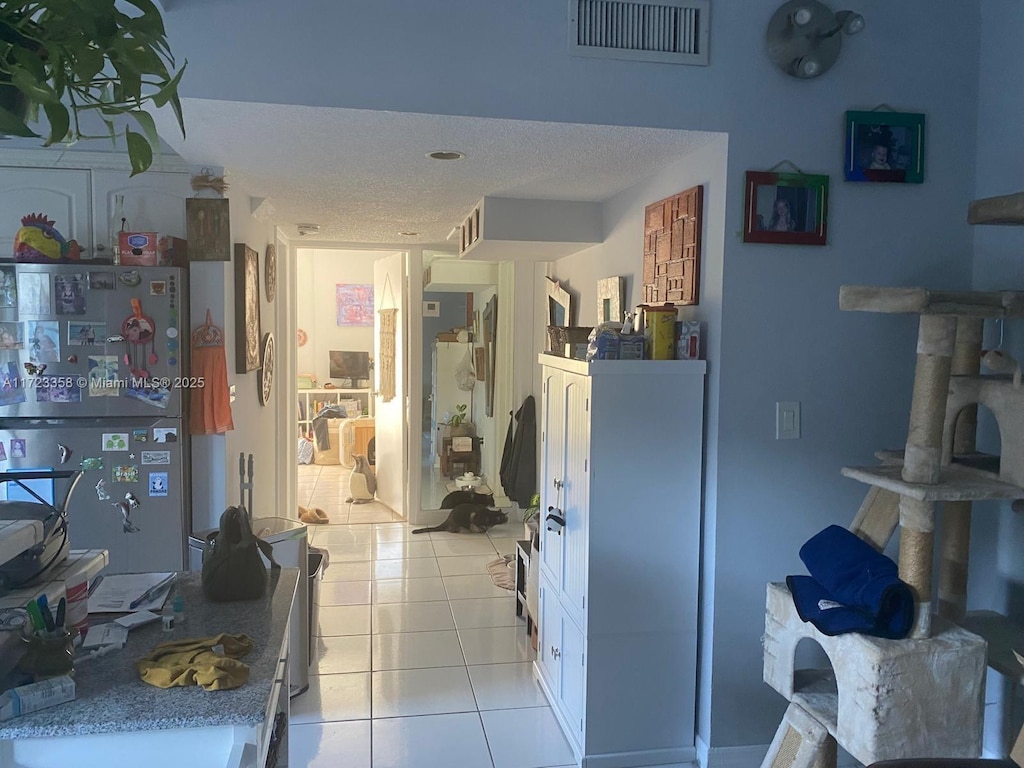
(408, 234)
(446, 154)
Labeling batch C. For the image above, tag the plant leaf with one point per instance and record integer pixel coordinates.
(60, 122)
(12, 126)
(140, 153)
(145, 121)
(170, 90)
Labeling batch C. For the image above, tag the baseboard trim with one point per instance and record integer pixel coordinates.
(730, 757)
(669, 758)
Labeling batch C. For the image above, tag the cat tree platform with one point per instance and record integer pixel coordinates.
(896, 698)
(955, 484)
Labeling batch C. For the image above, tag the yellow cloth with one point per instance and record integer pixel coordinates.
(193, 662)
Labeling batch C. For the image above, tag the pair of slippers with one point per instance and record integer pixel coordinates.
(313, 516)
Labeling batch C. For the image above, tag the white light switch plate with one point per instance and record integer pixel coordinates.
(787, 421)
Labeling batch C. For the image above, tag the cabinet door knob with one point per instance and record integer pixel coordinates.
(559, 483)
(101, 247)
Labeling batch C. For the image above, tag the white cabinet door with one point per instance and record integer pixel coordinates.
(575, 491)
(552, 464)
(62, 194)
(548, 632)
(570, 684)
(153, 202)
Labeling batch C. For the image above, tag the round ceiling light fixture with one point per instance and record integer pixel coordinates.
(804, 37)
(446, 154)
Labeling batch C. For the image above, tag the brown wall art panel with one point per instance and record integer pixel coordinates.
(672, 230)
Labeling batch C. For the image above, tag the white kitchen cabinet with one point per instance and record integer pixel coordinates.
(81, 203)
(621, 464)
(60, 193)
(153, 202)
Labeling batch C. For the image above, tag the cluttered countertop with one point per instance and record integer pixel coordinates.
(110, 696)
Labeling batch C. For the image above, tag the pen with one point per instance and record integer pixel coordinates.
(95, 583)
(44, 609)
(61, 609)
(152, 592)
(35, 616)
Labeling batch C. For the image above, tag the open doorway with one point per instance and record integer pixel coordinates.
(459, 442)
(337, 408)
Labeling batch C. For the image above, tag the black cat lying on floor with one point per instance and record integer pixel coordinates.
(466, 497)
(469, 518)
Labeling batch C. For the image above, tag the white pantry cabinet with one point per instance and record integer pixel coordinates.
(621, 465)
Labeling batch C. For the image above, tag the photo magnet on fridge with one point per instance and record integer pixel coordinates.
(115, 441)
(157, 483)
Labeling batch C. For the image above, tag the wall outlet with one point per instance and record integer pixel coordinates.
(787, 421)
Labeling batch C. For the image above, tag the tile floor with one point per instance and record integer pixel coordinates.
(326, 486)
(421, 661)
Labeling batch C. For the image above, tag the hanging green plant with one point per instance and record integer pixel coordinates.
(69, 58)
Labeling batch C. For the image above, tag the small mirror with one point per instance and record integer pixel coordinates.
(610, 292)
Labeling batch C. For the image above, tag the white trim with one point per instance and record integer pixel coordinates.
(683, 757)
(286, 386)
(84, 159)
(730, 757)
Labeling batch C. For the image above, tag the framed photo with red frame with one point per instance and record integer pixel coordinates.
(785, 208)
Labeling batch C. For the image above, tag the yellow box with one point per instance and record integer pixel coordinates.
(660, 331)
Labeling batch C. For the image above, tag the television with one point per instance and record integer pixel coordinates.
(351, 365)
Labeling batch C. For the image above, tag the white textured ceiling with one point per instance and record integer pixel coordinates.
(363, 176)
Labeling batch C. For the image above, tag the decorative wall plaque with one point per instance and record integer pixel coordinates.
(672, 232)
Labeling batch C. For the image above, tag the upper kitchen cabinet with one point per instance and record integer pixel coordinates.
(62, 194)
(153, 202)
(515, 229)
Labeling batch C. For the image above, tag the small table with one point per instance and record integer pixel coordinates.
(522, 568)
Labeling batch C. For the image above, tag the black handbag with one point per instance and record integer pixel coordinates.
(232, 568)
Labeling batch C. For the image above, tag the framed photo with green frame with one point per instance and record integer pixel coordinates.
(884, 147)
(785, 208)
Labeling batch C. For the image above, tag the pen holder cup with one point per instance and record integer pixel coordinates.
(48, 656)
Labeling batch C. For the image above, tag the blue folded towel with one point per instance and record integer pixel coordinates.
(852, 588)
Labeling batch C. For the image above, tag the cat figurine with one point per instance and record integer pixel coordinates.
(469, 518)
(466, 497)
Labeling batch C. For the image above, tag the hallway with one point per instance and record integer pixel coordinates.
(421, 660)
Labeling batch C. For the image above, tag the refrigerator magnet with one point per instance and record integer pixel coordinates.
(165, 434)
(115, 441)
(156, 457)
(126, 473)
(101, 281)
(157, 483)
(3, 453)
(101, 490)
(92, 462)
(11, 391)
(18, 448)
(69, 291)
(157, 287)
(140, 435)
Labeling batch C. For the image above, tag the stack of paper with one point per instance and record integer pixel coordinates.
(116, 593)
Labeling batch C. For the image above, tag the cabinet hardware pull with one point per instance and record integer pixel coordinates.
(555, 653)
(559, 484)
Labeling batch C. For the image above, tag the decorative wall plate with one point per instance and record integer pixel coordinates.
(301, 337)
(267, 370)
(270, 265)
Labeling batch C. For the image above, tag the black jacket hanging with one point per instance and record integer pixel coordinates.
(519, 459)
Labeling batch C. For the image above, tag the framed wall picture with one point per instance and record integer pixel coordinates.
(785, 208)
(884, 147)
(559, 305)
(610, 301)
(247, 309)
(209, 229)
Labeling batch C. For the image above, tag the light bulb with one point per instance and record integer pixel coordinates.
(808, 67)
(802, 16)
(854, 24)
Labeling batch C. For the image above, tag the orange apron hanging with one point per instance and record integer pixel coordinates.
(210, 404)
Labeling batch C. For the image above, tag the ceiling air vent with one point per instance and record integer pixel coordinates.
(670, 31)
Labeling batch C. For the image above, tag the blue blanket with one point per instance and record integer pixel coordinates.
(852, 588)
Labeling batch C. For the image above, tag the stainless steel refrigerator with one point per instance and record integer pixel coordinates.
(93, 376)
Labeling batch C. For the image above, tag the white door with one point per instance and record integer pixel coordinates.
(391, 424)
(552, 468)
(61, 194)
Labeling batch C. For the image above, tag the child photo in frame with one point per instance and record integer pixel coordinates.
(884, 147)
(785, 208)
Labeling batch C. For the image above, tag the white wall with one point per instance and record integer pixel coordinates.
(319, 272)
(215, 457)
(781, 335)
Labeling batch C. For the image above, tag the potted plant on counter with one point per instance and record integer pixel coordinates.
(74, 59)
(531, 517)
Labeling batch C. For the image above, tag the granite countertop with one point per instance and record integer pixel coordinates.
(110, 697)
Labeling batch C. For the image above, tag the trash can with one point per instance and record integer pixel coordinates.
(316, 575)
(288, 537)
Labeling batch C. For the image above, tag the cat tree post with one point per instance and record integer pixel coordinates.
(923, 459)
(955, 538)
